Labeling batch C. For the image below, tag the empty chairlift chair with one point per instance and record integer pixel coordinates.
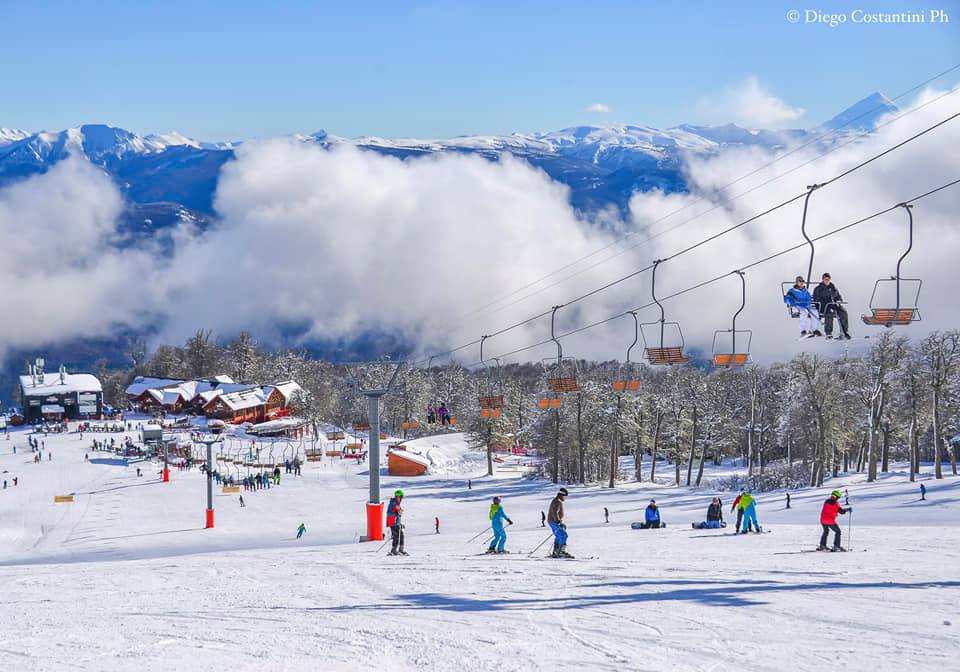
(905, 293)
(626, 378)
(733, 355)
(561, 373)
(490, 394)
(666, 337)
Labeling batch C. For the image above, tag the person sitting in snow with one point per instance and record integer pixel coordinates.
(828, 520)
(714, 516)
(651, 516)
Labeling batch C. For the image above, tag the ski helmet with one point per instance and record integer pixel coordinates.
(496, 500)
(398, 493)
(562, 492)
(836, 494)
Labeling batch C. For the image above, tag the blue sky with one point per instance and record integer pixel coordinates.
(233, 70)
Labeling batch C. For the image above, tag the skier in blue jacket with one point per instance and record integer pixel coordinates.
(497, 517)
(800, 301)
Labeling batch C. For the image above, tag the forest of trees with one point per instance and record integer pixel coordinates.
(793, 423)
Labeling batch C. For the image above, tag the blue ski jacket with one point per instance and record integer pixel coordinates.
(652, 514)
(496, 520)
(798, 297)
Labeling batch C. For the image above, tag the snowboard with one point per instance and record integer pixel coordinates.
(639, 526)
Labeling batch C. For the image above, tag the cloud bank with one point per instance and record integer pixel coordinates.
(749, 104)
(336, 243)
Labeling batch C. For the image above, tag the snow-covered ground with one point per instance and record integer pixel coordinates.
(126, 578)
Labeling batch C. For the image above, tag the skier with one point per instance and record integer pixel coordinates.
(736, 507)
(555, 518)
(436, 524)
(714, 516)
(798, 298)
(241, 502)
(543, 519)
(394, 515)
(788, 500)
(497, 516)
(828, 300)
(651, 516)
(828, 520)
(606, 515)
(749, 506)
(923, 492)
(301, 530)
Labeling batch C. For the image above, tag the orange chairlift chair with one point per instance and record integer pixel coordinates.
(664, 351)
(626, 378)
(561, 372)
(733, 356)
(490, 393)
(903, 312)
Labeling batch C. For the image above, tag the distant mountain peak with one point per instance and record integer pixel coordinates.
(864, 114)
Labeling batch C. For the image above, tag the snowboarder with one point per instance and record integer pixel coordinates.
(651, 516)
(714, 516)
(301, 530)
(923, 492)
(497, 516)
(736, 507)
(394, 522)
(799, 299)
(828, 300)
(555, 518)
(828, 520)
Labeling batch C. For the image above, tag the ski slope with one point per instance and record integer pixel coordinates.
(126, 578)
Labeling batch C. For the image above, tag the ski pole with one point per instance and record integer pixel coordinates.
(487, 542)
(541, 544)
(849, 530)
(383, 544)
(483, 531)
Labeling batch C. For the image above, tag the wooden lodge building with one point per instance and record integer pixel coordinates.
(60, 396)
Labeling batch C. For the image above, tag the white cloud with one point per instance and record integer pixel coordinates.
(599, 108)
(749, 104)
(61, 278)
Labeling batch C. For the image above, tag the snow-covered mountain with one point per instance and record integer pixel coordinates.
(603, 165)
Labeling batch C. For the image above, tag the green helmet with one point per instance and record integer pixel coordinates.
(398, 493)
(836, 494)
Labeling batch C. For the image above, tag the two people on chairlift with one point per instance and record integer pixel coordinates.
(826, 301)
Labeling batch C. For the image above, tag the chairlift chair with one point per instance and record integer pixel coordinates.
(664, 351)
(733, 357)
(561, 372)
(626, 378)
(490, 397)
(902, 313)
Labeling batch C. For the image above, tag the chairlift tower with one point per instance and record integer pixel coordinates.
(374, 395)
(209, 441)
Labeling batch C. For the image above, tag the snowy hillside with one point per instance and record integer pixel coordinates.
(126, 577)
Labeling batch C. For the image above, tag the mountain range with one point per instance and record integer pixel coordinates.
(167, 178)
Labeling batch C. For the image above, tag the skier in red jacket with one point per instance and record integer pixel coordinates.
(828, 519)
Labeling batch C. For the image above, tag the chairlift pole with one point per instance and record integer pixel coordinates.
(553, 336)
(653, 293)
(803, 228)
(208, 442)
(909, 209)
(743, 304)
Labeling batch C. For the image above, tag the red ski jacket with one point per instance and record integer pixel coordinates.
(828, 514)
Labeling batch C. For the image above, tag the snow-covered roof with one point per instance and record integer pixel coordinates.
(141, 384)
(72, 382)
(412, 457)
(288, 389)
(277, 425)
(237, 401)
